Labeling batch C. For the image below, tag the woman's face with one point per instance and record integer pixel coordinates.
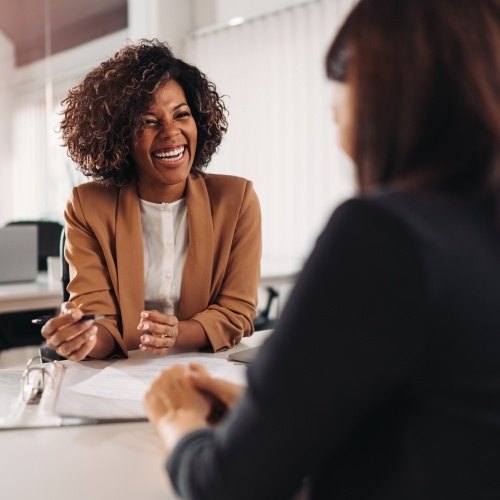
(343, 115)
(164, 153)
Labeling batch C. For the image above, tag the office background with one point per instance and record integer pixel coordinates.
(270, 68)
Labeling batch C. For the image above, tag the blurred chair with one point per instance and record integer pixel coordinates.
(45, 351)
(64, 268)
(16, 328)
(263, 321)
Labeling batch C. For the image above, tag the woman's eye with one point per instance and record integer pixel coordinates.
(149, 122)
(183, 114)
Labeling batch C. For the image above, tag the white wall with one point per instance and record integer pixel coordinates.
(204, 13)
(229, 9)
(218, 13)
(173, 20)
(167, 20)
(6, 90)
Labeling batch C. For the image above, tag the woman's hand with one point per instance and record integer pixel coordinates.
(175, 406)
(68, 336)
(160, 331)
(222, 394)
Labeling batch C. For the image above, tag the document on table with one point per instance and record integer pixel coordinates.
(126, 381)
(117, 390)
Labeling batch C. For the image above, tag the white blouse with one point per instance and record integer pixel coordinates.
(165, 231)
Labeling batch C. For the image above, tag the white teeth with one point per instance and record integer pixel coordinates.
(172, 155)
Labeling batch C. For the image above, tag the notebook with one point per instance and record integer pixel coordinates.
(18, 253)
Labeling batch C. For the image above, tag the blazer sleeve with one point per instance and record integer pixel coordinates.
(230, 315)
(88, 252)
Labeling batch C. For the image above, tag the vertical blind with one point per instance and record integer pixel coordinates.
(281, 136)
(29, 153)
(42, 173)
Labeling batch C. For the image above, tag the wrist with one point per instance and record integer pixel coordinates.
(172, 428)
(105, 344)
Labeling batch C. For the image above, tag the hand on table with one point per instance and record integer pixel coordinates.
(68, 336)
(185, 398)
(159, 330)
(175, 406)
(222, 394)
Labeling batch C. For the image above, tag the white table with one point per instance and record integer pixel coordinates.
(30, 295)
(112, 461)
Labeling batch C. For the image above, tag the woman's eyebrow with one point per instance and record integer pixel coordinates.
(175, 108)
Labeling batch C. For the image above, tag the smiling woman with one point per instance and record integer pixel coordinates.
(170, 255)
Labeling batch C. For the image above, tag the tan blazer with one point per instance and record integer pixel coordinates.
(104, 248)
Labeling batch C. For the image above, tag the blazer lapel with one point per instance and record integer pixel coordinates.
(197, 273)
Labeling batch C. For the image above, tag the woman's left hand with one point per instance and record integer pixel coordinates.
(175, 406)
(159, 331)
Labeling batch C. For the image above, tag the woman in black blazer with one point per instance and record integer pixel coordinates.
(382, 378)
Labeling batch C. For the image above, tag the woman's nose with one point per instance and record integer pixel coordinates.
(170, 129)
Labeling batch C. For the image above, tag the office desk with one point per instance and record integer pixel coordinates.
(123, 461)
(30, 295)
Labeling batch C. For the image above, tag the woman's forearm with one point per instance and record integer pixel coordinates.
(191, 335)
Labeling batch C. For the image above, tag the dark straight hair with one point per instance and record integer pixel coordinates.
(425, 81)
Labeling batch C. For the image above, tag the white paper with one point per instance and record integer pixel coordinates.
(129, 381)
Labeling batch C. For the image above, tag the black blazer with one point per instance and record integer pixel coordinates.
(382, 378)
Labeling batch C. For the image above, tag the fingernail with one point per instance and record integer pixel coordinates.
(145, 326)
(76, 314)
(144, 315)
(145, 340)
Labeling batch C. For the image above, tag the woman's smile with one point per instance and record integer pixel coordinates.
(170, 155)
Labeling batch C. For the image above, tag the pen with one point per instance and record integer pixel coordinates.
(43, 319)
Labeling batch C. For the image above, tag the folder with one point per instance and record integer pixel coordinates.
(61, 393)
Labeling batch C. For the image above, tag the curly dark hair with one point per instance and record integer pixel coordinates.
(102, 115)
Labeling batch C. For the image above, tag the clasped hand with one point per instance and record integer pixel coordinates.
(159, 331)
(185, 398)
